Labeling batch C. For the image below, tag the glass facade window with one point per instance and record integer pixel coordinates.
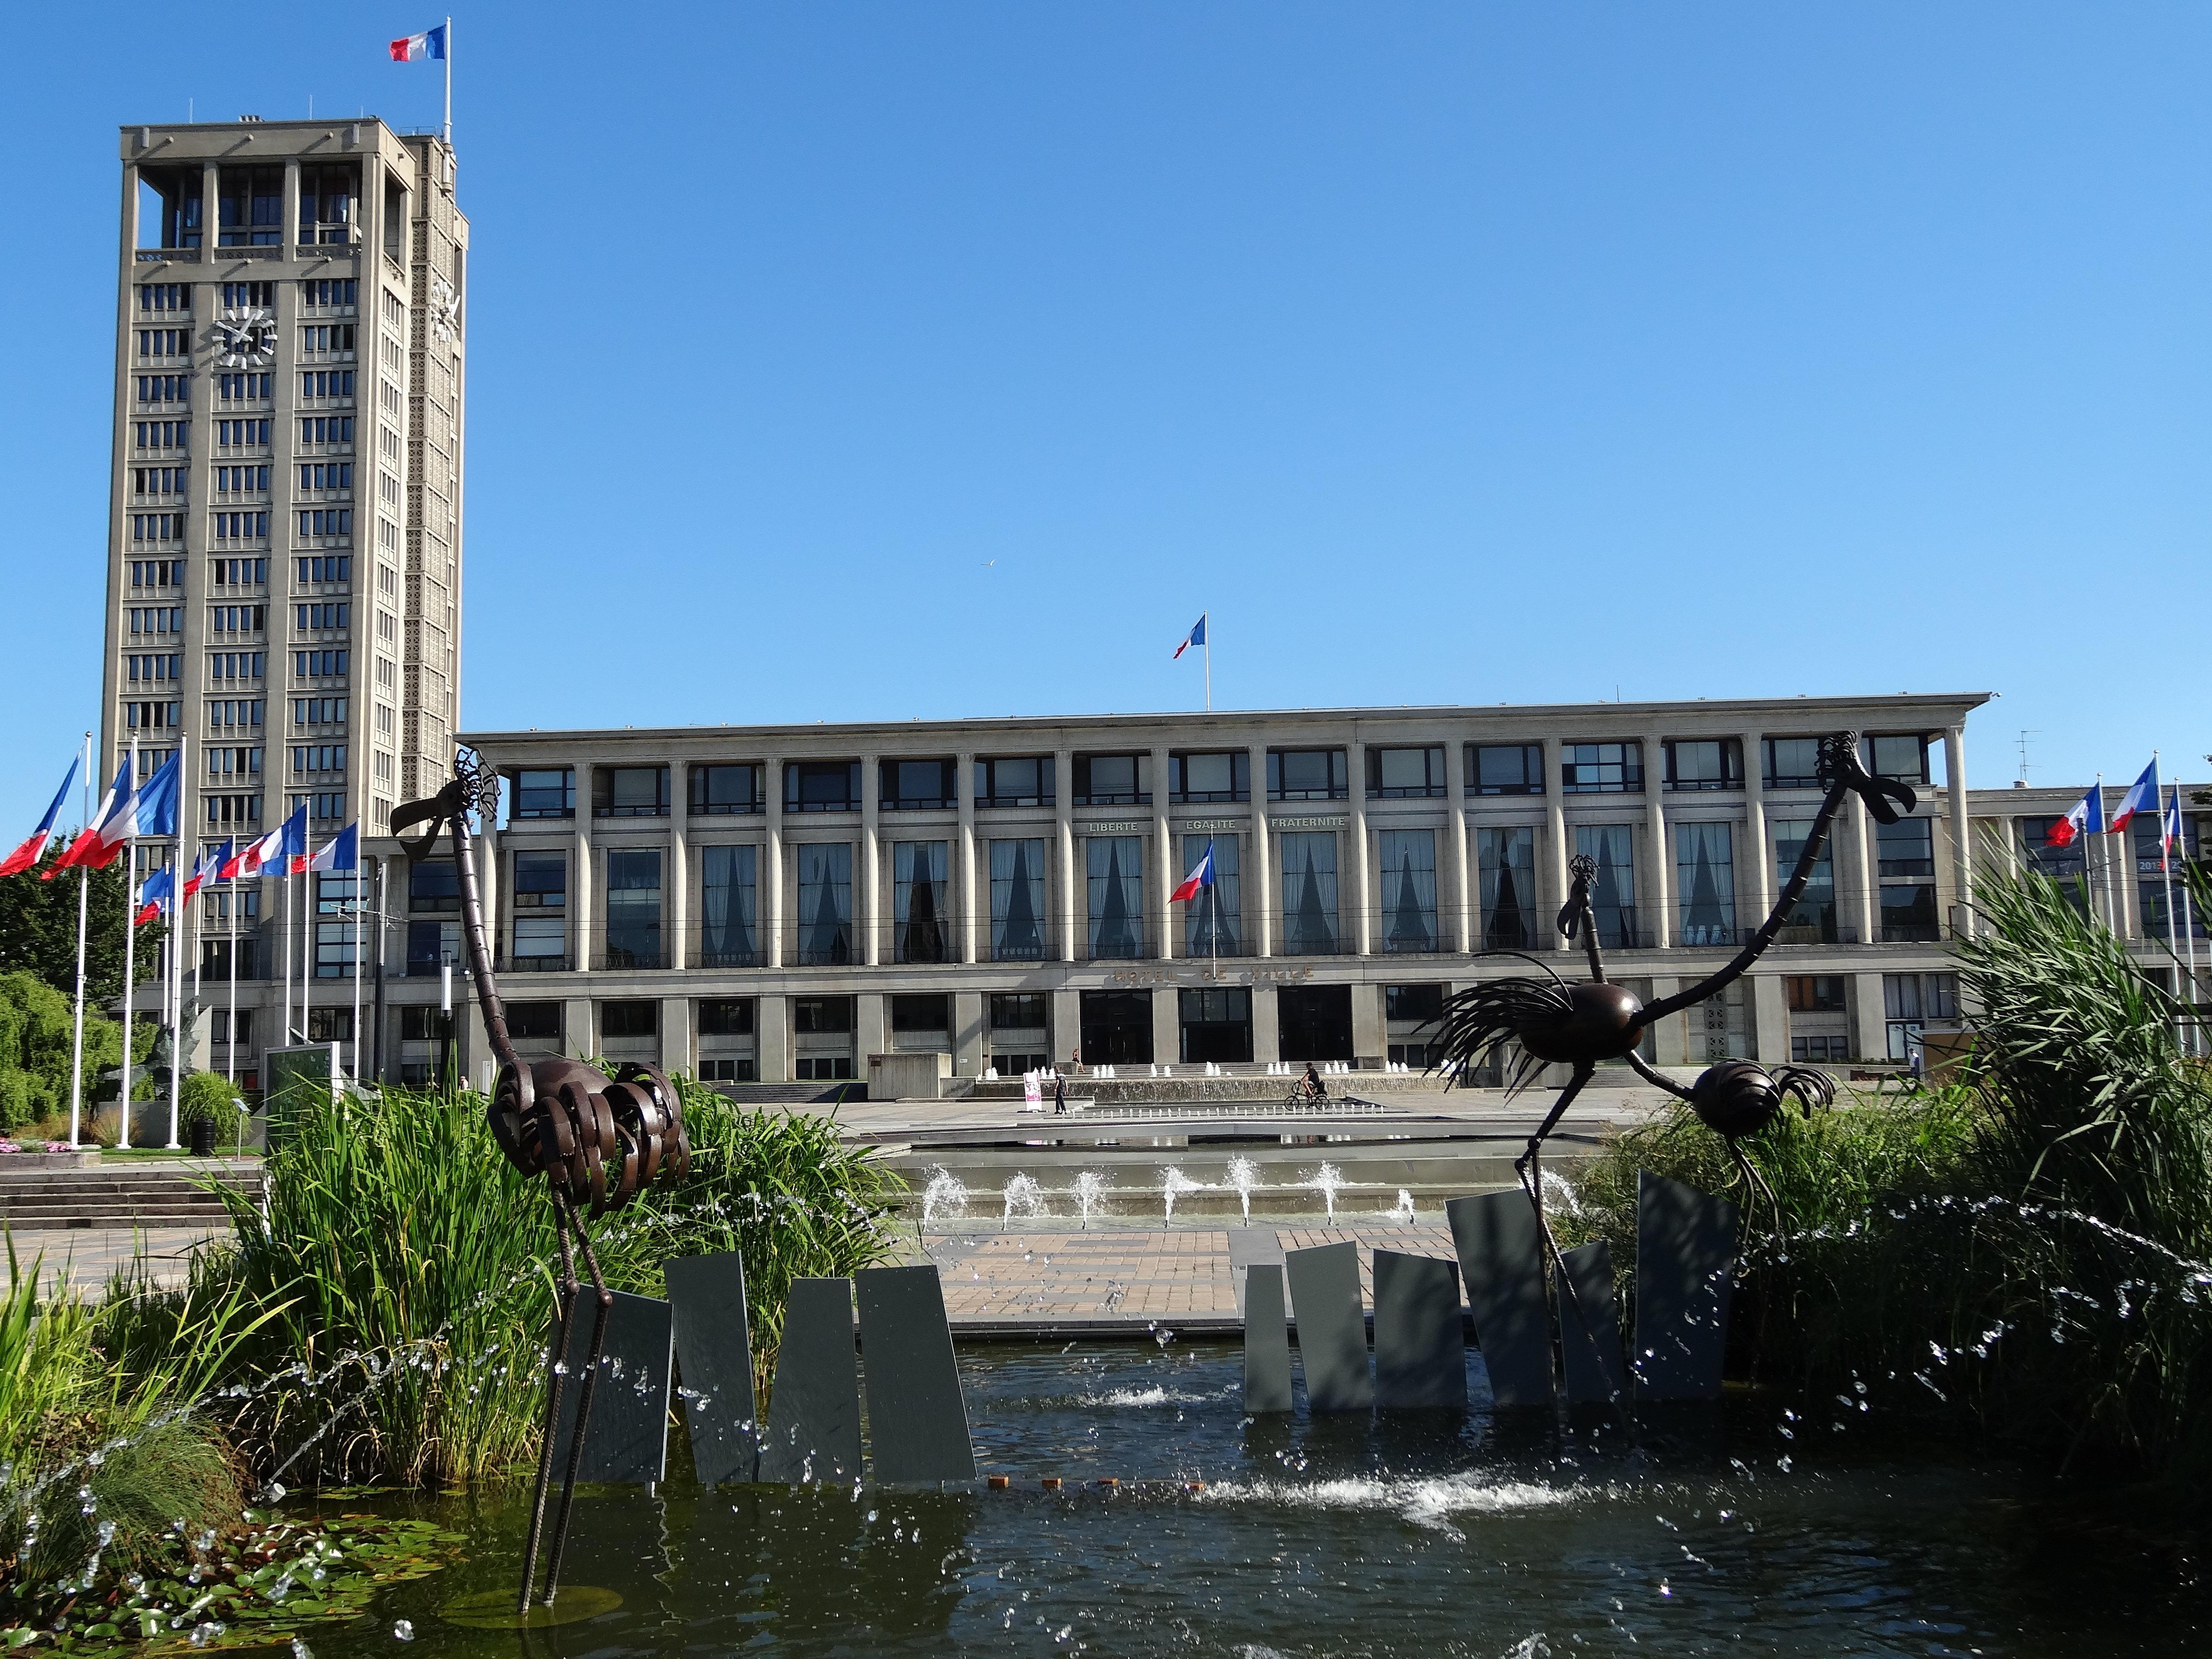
(2154, 880)
(727, 788)
(1113, 779)
(1612, 895)
(729, 897)
(1014, 780)
(1602, 768)
(1408, 859)
(1308, 774)
(1505, 768)
(930, 1012)
(1115, 866)
(1216, 1023)
(433, 887)
(1018, 900)
(1217, 777)
(1406, 774)
(1706, 763)
(912, 786)
(1213, 917)
(534, 1021)
(822, 787)
(1308, 862)
(547, 793)
(821, 1016)
(1506, 863)
(629, 1020)
(335, 902)
(1815, 993)
(825, 904)
(1813, 921)
(1910, 1001)
(1904, 856)
(920, 929)
(540, 902)
(633, 907)
(1904, 757)
(1704, 877)
(431, 944)
(726, 1017)
(1790, 763)
(629, 792)
(1017, 1010)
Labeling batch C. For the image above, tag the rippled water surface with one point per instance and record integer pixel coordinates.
(1329, 1536)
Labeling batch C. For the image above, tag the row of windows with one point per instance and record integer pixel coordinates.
(243, 388)
(249, 297)
(232, 809)
(326, 568)
(336, 614)
(240, 527)
(157, 619)
(236, 573)
(334, 475)
(236, 665)
(319, 757)
(318, 711)
(230, 480)
(1693, 765)
(154, 716)
(228, 712)
(157, 527)
(164, 388)
(327, 336)
(238, 435)
(306, 664)
(238, 618)
(157, 572)
(166, 667)
(327, 521)
(160, 480)
(326, 292)
(228, 760)
(162, 435)
(326, 383)
(165, 296)
(323, 429)
(165, 341)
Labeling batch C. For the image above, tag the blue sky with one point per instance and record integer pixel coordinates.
(948, 360)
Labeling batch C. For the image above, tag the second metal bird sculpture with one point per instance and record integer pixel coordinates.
(598, 1141)
(1527, 1022)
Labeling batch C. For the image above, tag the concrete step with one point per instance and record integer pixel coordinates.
(149, 1195)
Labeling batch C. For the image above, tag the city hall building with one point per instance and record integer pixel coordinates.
(780, 903)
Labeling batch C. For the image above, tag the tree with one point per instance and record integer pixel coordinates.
(37, 1034)
(38, 931)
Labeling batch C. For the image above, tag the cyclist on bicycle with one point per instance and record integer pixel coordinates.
(1310, 1084)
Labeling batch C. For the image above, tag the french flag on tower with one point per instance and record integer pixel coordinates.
(1196, 637)
(34, 848)
(1201, 877)
(2086, 818)
(414, 48)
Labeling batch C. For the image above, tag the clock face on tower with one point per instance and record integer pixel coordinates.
(245, 338)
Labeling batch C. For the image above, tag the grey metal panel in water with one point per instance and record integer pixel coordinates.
(1249, 1248)
(814, 1415)
(917, 1421)
(714, 1349)
(1501, 1262)
(627, 1439)
(1420, 1346)
(1324, 1285)
(1685, 1278)
(1590, 1329)
(1266, 1341)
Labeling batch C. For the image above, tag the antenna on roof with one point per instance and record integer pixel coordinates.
(2024, 737)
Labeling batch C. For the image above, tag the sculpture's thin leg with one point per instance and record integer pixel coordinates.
(1759, 1182)
(1530, 1167)
(556, 1370)
(606, 1301)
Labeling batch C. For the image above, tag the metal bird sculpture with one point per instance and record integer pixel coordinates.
(1529, 1022)
(598, 1141)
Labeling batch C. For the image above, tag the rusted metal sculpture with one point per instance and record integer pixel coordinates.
(1551, 1021)
(599, 1141)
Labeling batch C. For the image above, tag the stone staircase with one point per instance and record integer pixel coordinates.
(123, 1193)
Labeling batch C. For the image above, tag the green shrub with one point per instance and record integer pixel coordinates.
(206, 1095)
(37, 1039)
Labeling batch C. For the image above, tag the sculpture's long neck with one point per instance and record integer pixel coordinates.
(1792, 891)
(472, 931)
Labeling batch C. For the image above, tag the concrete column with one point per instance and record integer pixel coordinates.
(579, 1034)
(676, 1034)
(1167, 1025)
(1164, 876)
(871, 1028)
(1070, 878)
(680, 954)
(1869, 1032)
(771, 901)
(1369, 1030)
(1770, 1019)
(1955, 778)
(1658, 920)
(583, 910)
(1267, 1026)
(1755, 890)
(1856, 869)
(1362, 889)
(291, 207)
(970, 900)
(869, 878)
(211, 218)
(1458, 920)
(772, 1038)
(969, 1053)
(1259, 890)
(1066, 1034)
(1669, 1041)
(1552, 856)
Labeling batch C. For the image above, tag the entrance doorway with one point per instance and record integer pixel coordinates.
(1117, 1028)
(1315, 1021)
(1217, 1024)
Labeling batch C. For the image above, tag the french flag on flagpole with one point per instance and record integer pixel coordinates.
(1196, 637)
(2086, 818)
(2170, 825)
(292, 843)
(34, 847)
(340, 853)
(154, 896)
(88, 847)
(414, 48)
(1202, 876)
(2142, 796)
(212, 860)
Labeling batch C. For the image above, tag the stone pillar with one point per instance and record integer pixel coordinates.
(1362, 893)
(1552, 856)
(771, 879)
(583, 909)
(1770, 1019)
(1856, 872)
(1070, 878)
(1755, 890)
(211, 221)
(1266, 1027)
(1458, 922)
(1164, 878)
(870, 1029)
(1066, 1033)
(1657, 925)
(1869, 1032)
(1369, 1033)
(972, 908)
(970, 1055)
(772, 1039)
(291, 207)
(868, 877)
(680, 953)
(1258, 888)
(1167, 1025)
(676, 1034)
(578, 1034)
(1669, 1041)
(1962, 852)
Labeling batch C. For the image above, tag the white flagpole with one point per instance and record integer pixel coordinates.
(130, 955)
(448, 130)
(284, 887)
(1206, 620)
(306, 935)
(2165, 878)
(355, 1033)
(177, 951)
(83, 906)
(230, 905)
